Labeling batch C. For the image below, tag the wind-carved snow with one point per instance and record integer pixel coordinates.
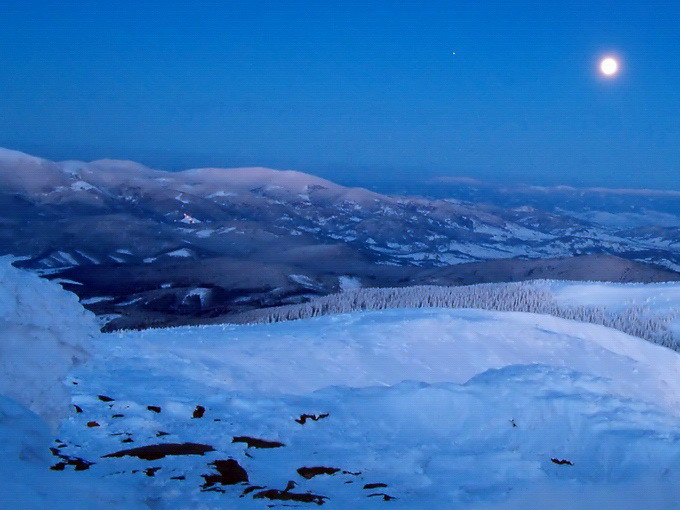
(444, 408)
(44, 331)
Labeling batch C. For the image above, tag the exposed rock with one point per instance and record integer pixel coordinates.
(275, 494)
(250, 489)
(67, 460)
(311, 472)
(229, 472)
(257, 443)
(304, 417)
(386, 497)
(158, 451)
(562, 462)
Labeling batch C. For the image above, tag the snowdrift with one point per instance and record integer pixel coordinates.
(45, 332)
(421, 408)
(385, 347)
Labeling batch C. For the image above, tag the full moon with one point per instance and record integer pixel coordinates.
(609, 66)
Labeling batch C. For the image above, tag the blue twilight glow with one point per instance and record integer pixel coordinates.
(351, 90)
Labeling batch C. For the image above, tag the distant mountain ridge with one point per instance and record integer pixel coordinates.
(113, 217)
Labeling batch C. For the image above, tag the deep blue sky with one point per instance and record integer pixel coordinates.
(355, 91)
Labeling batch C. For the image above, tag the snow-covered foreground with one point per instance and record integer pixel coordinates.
(44, 332)
(440, 408)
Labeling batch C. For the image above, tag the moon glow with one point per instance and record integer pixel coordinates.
(609, 66)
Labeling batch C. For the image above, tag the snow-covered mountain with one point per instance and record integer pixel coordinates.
(120, 229)
(207, 210)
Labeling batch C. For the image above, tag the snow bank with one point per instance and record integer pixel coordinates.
(44, 332)
(385, 347)
(443, 408)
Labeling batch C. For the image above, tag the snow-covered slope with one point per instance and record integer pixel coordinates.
(44, 332)
(440, 408)
(654, 298)
(384, 348)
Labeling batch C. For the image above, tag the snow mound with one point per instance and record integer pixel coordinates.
(45, 331)
(435, 408)
(385, 347)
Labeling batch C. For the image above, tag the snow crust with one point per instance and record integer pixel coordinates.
(430, 345)
(448, 408)
(44, 332)
(29, 484)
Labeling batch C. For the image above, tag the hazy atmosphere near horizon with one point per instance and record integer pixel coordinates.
(358, 92)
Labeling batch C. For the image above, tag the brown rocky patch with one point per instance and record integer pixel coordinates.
(66, 460)
(275, 494)
(253, 442)
(311, 472)
(314, 417)
(229, 472)
(158, 451)
(562, 462)
(375, 485)
(385, 497)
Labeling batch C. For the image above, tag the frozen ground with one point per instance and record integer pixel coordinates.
(45, 331)
(447, 408)
(402, 408)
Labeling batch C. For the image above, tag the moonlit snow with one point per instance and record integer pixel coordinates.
(448, 408)
(406, 408)
(44, 332)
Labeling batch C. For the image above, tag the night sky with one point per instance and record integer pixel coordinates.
(352, 91)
